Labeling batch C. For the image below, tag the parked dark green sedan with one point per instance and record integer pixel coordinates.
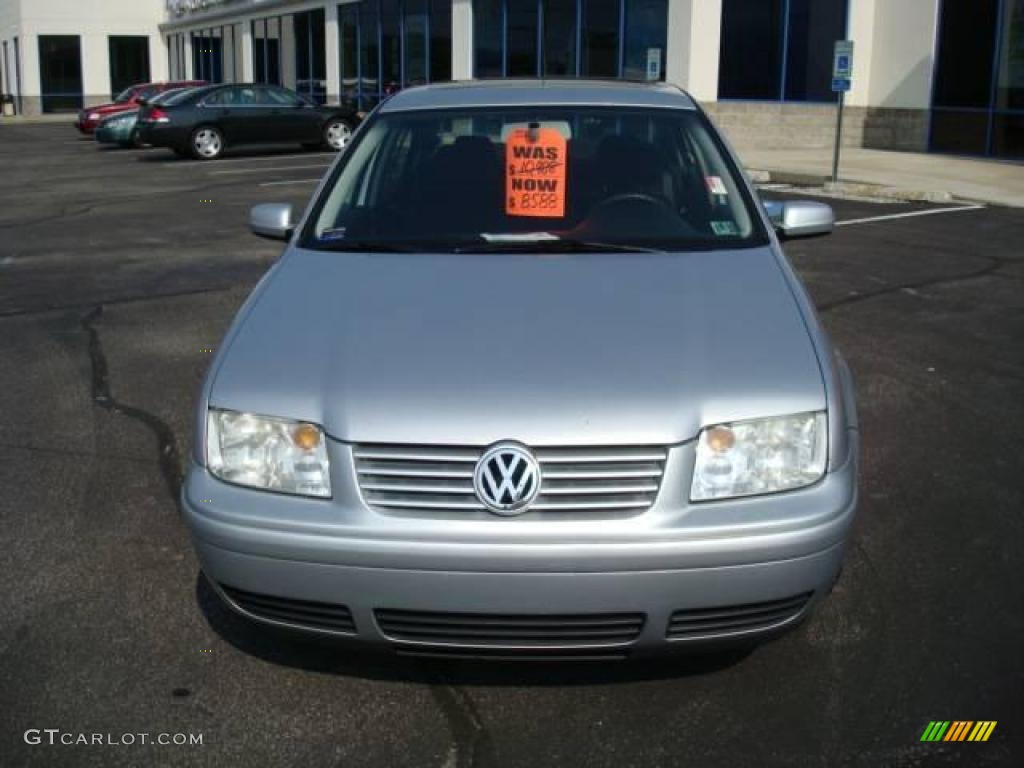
(122, 129)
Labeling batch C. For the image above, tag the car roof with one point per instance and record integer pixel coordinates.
(556, 92)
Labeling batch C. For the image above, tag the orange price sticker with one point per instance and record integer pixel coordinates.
(535, 173)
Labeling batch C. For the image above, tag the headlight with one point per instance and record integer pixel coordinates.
(266, 452)
(764, 456)
(94, 115)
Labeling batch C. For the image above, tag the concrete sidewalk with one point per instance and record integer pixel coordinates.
(987, 181)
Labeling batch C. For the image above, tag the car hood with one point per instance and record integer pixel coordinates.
(548, 350)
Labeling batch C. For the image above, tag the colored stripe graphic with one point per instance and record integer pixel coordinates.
(935, 730)
(958, 730)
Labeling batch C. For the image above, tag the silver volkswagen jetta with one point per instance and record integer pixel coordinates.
(532, 378)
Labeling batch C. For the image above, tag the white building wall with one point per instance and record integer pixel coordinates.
(903, 53)
(93, 21)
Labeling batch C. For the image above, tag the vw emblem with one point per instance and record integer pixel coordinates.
(507, 479)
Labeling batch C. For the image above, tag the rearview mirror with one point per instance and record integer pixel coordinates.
(272, 220)
(800, 218)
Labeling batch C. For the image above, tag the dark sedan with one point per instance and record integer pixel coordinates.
(207, 120)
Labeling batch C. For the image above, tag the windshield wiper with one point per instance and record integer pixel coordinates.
(553, 246)
(366, 246)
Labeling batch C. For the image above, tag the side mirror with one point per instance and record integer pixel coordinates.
(272, 220)
(800, 218)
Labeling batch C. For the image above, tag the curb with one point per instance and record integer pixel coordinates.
(851, 188)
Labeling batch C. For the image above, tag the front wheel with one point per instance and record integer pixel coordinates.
(206, 143)
(337, 134)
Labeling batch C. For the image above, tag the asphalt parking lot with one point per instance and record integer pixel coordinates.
(120, 270)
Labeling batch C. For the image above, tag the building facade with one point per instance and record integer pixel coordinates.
(940, 75)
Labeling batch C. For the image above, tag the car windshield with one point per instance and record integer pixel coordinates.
(126, 95)
(171, 97)
(535, 179)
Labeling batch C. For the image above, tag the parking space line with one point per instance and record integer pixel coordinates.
(294, 181)
(271, 169)
(911, 214)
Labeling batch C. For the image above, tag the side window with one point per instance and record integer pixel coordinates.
(278, 97)
(217, 98)
(243, 97)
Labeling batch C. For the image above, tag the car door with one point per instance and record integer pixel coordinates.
(243, 116)
(290, 118)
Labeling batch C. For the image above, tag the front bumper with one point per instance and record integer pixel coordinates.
(501, 591)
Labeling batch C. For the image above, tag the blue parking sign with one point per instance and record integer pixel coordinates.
(840, 85)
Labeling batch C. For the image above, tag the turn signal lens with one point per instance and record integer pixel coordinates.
(306, 437)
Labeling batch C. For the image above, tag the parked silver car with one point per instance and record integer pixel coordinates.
(532, 378)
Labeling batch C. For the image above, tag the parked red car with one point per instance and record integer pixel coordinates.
(126, 101)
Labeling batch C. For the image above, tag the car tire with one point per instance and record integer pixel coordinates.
(136, 140)
(337, 133)
(206, 143)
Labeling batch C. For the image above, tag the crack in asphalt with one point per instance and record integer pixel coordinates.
(470, 739)
(114, 302)
(994, 265)
(168, 458)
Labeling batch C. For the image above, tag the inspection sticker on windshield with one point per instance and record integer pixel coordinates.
(716, 185)
(535, 172)
(724, 228)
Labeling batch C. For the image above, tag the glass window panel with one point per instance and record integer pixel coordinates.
(959, 132)
(415, 48)
(303, 60)
(646, 28)
(1008, 136)
(1010, 94)
(751, 50)
(814, 27)
(440, 40)
(963, 77)
(600, 55)
(487, 38)
(318, 54)
(369, 61)
(60, 72)
(274, 51)
(522, 38)
(129, 61)
(391, 46)
(559, 37)
(348, 24)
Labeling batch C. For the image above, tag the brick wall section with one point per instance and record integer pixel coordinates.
(765, 125)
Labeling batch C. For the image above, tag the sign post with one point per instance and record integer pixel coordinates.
(842, 72)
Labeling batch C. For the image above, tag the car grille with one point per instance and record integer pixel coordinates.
(303, 613)
(605, 479)
(705, 622)
(497, 631)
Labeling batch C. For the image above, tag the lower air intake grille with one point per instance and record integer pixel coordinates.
(303, 613)
(469, 630)
(704, 622)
